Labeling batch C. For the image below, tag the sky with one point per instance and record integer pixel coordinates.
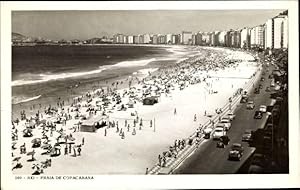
(82, 25)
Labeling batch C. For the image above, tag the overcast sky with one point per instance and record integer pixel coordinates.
(88, 24)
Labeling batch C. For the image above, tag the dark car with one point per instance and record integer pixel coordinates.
(258, 115)
(256, 91)
(262, 79)
(244, 99)
(223, 141)
(247, 136)
(236, 152)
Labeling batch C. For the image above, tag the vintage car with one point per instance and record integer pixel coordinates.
(226, 122)
(263, 108)
(258, 115)
(236, 152)
(247, 136)
(219, 132)
(244, 99)
(223, 141)
(250, 105)
(256, 91)
(230, 116)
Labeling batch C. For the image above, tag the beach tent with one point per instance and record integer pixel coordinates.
(150, 100)
(93, 123)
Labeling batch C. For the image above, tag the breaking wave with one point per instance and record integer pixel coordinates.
(18, 100)
(40, 78)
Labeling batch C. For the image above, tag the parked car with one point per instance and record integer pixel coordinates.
(230, 115)
(260, 86)
(250, 105)
(247, 136)
(236, 152)
(258, 115)
(219, 132)
(268, 89)
(262, 79)
(244, 99)
(223, 141)
(227, 124)
(256, 91)
(263, 108)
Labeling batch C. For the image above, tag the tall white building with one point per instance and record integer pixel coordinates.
(245, 38)
(169, 38)
(186, 37)
(276, 32)
(146, 39)
(285, 33)
(130, 39)
(269, 27)
(221, 38)
(279, 34)
(257, 36)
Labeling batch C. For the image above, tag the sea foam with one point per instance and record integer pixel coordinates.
(40, 78)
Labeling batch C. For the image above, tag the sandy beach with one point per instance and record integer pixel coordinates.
(134, 134)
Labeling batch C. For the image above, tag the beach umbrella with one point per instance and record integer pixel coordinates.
(46, 146)
(71, 138)
(17, 159)
(31, 153)
(27, 130)
(36, 140)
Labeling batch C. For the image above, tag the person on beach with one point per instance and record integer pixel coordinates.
(195, 117)
(82, 141)
(79, 150)
(159, 160)
(74, 151)
(66, 150)
(175, 112)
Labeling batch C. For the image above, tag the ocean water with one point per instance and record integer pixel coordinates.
(41, 74)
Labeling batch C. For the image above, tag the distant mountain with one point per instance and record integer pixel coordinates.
(17, 36)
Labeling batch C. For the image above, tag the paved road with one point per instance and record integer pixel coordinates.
(208, 159)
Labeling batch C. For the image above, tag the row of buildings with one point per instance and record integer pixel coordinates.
(272, 34)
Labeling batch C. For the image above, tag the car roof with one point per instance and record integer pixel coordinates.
(219, 128)
(236, 144)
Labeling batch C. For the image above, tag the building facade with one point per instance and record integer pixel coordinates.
(186, 38)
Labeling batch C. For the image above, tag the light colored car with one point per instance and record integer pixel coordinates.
(230, 116)
(250, 105)
(219, 132)
(226, 123)
(263, 108)
(277, 87)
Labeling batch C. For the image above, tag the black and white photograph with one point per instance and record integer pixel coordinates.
(113, 91)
